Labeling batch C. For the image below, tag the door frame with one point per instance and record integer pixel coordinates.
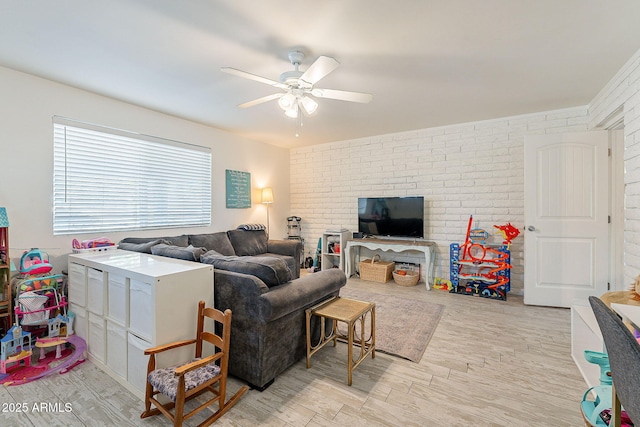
(614, 124)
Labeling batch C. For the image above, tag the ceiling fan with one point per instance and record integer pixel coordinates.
(299, 87)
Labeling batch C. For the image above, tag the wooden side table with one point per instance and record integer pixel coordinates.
(351, 312)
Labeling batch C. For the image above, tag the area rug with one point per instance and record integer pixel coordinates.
(403, 326)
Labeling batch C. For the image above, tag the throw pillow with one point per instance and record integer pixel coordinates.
(218, 242)
(248, 227)
(182, 240)
(247, 243)
(189, 253)
(140, 247)
(272, 271)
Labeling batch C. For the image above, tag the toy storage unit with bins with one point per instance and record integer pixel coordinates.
(125, 302)
(480, 276)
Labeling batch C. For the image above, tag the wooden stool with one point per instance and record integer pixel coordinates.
(350, 312)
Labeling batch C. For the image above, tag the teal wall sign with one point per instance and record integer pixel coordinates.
(238, 185)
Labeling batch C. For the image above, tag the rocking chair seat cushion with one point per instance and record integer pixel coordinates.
(166, 382)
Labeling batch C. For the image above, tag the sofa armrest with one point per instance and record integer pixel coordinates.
(292, 248)
(301, 293)
(240, 293)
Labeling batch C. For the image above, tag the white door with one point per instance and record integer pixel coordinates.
(566, 218)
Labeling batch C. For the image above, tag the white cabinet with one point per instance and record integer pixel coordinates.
(126, 302)
(333, 245)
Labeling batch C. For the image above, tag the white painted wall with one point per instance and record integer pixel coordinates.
(27, 105)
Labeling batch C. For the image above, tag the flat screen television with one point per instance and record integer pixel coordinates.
(391, 216)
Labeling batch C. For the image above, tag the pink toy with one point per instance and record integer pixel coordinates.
(35, 261)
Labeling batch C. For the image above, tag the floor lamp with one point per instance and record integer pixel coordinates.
(267, 199)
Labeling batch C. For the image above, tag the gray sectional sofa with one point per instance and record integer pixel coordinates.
(259, 280)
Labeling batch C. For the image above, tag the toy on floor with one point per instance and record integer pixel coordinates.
(42, 307)
(17, 347)
(442, 284)
(14, 348)
(69, 358)
(479, 268)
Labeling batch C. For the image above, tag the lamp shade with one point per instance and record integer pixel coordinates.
(309, 105)
(267, 195)
(4, 219)
(287, 101)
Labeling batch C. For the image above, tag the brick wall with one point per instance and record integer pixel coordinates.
(461, 170)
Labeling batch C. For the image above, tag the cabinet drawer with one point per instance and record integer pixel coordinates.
(95, 291)
(117, 348)
(137, 362)
(77, 284)
(141, 309)
(117, 299)
(80, 326)
(96, 342)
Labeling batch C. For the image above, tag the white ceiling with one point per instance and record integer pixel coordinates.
(427, 62)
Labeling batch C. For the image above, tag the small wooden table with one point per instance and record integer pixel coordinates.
(350, 312)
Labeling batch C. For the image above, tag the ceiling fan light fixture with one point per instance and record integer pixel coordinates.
(292, 112)
(287, 101)
(308, 104)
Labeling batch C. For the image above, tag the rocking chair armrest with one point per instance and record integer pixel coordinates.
(197, 364)
(164, 347)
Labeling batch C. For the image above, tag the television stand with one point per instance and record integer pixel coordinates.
(395, 245)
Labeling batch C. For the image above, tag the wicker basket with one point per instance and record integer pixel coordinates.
(376, 271)
(410, 279)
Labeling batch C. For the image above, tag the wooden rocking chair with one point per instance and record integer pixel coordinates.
(183, 382)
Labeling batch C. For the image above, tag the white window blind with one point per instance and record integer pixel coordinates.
(112, 180)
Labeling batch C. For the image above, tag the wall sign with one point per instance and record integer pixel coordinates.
(238, 185)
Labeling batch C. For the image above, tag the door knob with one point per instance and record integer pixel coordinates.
(531, 228)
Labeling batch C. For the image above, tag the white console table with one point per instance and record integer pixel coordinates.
(395, 245)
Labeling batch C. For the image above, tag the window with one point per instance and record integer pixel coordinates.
(112, 180)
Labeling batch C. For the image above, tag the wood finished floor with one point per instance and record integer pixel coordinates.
(489, 363)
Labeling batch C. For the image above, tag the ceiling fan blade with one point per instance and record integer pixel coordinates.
(254, 77)
(320, 68)
(342, 95)
(261, 100)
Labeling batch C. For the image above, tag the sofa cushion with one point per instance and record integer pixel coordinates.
(272, 271)
(182, 240)
(189, 253)
(141, 247)
(218, 242)
(247, 243)
(289, 260)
